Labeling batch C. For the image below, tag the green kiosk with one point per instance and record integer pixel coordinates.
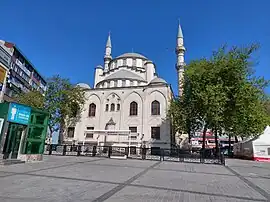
(22, 132)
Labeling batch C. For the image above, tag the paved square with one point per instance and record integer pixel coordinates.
(60, 178)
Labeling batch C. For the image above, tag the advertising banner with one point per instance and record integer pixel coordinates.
(19, 113)
(2, 74)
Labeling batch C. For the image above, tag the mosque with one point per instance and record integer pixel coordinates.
(128, 103)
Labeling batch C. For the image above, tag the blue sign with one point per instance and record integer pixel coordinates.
(19, 113)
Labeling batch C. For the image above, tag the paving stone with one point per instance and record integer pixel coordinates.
(125, 163)
(146, 194)
(60, 178)
(262, 183)
(31, 188)
(2, 173)
(93, 172)
(252, 171)
(212, 184)
(49, 161)
(194, 167)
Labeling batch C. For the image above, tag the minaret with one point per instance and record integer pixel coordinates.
(180, 51)
(108, 52)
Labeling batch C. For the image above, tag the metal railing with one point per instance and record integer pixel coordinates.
(176, 155)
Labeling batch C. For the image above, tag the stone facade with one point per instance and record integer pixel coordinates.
(127, 106)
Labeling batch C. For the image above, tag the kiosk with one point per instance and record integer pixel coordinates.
(22, 131)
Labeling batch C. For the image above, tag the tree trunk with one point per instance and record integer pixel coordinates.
(189, 132)
(204, 137)
(61, 134)
(216, 142)
(235, 139)
(61, 137)
(230, 145)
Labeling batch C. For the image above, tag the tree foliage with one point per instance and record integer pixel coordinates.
(33, 98)
(222, 94)
(266, 104)
(62, 100)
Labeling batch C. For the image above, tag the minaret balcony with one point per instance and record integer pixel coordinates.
(179, 49)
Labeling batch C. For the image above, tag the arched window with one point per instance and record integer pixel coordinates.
(155, 108)
(107, 108)
(92, 110)
(118, 107)
(112, 107)
(133, 111)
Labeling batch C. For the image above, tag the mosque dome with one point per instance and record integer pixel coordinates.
(132, 55)
(84, 85)
(158, 80)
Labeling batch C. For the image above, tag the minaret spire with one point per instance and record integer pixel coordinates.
(180, 51)
(109, 44)
(180, 33)
(108, 52)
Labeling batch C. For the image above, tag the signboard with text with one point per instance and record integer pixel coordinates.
(2, 74)
(19, 113)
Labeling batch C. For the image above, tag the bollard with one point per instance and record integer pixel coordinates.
(201, 157)
(79, 150)
(94, 151)
(222, 158)
(161, 153)
(50, 149)
(127, 149)
(110, 151)
(64, 150)
(143, 153)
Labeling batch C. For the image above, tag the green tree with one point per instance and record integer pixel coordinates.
(223, 94)
(62, 100)
(266, 104)
(185, 118)
(206, 92)
(33, 98)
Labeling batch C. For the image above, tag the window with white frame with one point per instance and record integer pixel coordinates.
(89, 135)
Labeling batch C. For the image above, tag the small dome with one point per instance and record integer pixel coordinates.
(124, 74)
(135, 55)
(99, 67)
(157, 80)
(84, 85)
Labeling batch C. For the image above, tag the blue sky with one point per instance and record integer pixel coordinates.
(68, 37)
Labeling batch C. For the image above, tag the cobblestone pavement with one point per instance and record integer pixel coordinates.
(100, 179)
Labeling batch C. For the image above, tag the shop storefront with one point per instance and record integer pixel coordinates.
(22, 131)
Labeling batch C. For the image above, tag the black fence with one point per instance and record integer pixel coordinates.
(176, 155)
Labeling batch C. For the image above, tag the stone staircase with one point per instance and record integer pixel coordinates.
(5, 162)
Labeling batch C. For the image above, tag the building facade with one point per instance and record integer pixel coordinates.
(127, 105)
(22, 76)
(4, 68)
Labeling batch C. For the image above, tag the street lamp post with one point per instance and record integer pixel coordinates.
(142, 139)
(129, 143)
(98, 140)
(84, 137)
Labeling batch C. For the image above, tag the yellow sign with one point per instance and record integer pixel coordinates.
(2, 74)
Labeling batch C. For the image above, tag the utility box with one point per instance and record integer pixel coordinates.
(22, 131)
